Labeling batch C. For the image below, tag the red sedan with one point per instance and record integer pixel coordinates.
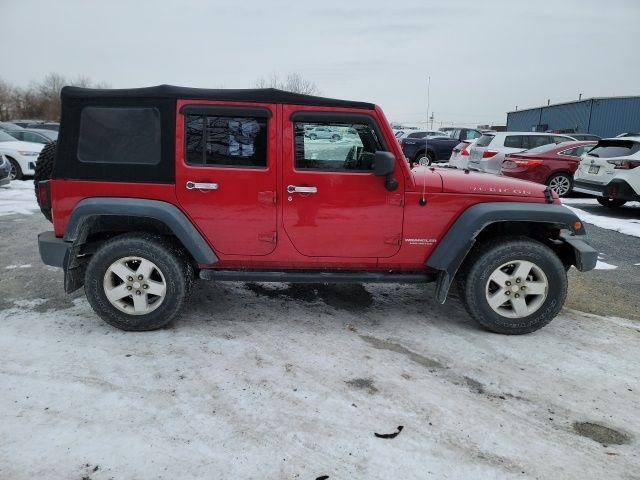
(552, 164)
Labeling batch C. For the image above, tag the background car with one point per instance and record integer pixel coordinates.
(551, 164)
(611, 171)
(487, 154)
(437, 149)
(55, 126)
(22, 156)
(23, 122)
(9, 126)
(34, 135)
(5, 170)
(584, 136)
(323, 132)
(460, 154)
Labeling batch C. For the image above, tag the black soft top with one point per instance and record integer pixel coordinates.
(258, 95)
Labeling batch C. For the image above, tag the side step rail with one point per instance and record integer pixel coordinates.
(311, 276)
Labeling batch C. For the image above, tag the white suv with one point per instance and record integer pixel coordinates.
(22, 156)
(487, 154)
(611, 171)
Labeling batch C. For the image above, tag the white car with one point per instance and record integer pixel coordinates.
(611, 171)
(422, 134)
(21, 155)
(460, 154)
(488, 153)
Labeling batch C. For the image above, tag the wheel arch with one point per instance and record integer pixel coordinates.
(95, 220)
(554, 225)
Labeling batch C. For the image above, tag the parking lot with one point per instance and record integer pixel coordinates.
(294, 381)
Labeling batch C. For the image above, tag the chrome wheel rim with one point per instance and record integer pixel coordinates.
(516, 289)
(134, 285)
(13, 172)
(560, 184)
(424, 160)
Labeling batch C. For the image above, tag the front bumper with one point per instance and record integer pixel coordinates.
(590, 188)
(585, 255)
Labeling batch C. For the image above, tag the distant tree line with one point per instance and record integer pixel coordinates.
(40, 100)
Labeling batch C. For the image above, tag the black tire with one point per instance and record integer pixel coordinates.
(16, 171)
(426, 158)
(170, 260)
(486, 258)
(610, 202)
(44, 171)
(567, 180)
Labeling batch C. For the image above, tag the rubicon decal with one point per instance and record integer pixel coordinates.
(505, 191)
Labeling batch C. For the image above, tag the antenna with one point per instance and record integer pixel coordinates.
(423, 199)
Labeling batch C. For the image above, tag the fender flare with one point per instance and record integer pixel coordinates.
(165, 212)
(458, 241)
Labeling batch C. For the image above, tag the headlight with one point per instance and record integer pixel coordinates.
(28, 154)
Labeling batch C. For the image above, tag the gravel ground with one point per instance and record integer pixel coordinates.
(278, 381)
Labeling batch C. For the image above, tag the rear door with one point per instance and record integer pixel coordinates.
(334, 205)
(226, 164)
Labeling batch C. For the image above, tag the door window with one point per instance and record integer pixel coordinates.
(347, 147)
(226, 141)
(538, 141)
(514, 141)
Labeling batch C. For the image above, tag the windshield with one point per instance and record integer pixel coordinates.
(614, 148)
(5, 137)
(50, 134)
(484, 141)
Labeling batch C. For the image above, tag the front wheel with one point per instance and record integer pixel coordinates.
(561, 183)
(610, 202)
(15, 172)
(424, 159)
(513, 285)
(137, 282)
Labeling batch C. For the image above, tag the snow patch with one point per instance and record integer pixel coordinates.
(604, 266)
(18, 198)
(628, 226)
(12, 267)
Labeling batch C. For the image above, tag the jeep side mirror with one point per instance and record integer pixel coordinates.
(384, 165)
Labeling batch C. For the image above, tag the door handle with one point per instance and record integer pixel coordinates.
(297, 189)
(201, 186)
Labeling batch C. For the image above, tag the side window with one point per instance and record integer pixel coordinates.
(535, 141)
(417, 135)
(514, 141)
(560, 139)
(571, 152)
(17, 135)
(350, 147)
(225, 141)
(584, 149)
(32, 137)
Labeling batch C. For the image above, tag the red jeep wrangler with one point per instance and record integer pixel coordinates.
(149, 188)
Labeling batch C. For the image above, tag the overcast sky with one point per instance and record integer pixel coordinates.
(484, 57)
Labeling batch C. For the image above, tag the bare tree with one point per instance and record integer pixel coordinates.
(38, 100)
(293, 82)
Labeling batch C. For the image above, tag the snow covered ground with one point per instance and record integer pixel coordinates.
(625, 220)
(259, 381)
(18, 197)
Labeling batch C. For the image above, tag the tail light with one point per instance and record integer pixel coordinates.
(532, 162)
(624, 164)
(465, 151)
(489, 153)
(401, 142)
(44, 194)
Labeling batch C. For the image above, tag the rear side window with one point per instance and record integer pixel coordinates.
(514, 141)
(533, 141)
(345, 147)
(119, 135)
(484, 140)
(225, 141)
(417, 135)
(614, 148)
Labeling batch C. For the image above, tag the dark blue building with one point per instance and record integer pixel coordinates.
(603, 116)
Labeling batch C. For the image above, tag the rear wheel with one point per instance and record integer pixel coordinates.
(138, 282)
(561, 183)
(44, 171)
(513, 285)
(610, 202)
(15, 172)
(424, 159)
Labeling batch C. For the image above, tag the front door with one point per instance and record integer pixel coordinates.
(226, 163)
(334, 206)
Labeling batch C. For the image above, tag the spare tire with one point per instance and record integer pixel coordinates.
(44, 170)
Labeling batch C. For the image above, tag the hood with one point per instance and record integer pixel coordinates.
(18, 145)
(459, 181)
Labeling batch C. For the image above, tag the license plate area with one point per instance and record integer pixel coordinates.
(594, 169)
